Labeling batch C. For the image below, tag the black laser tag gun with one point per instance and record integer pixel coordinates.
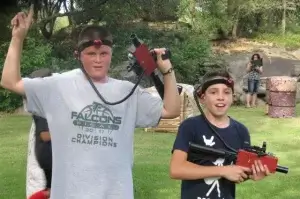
(243, 157)
(143, 61)
(255, 63)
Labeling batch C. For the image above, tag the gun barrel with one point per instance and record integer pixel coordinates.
(282, 169)
(207, 150)
(135, 40)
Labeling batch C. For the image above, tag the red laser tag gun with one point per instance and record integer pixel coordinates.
(243, 157)
(143, 61)
(145, 58)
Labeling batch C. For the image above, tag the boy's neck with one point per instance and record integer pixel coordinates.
(220, 122)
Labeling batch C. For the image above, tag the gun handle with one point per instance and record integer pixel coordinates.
(159, 85)
(165, 56)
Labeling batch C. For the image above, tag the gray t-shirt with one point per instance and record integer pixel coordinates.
(92, 142)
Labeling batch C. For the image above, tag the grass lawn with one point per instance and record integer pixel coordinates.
(152, 155)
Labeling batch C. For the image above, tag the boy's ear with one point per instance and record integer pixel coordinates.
(76, 54)
(201, 98)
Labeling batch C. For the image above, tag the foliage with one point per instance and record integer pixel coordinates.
(157, 10)
(192, 24)
(60, 23)
(189, 51)
(36, 54)
(190, 57)
(189, 54)
(290, 40)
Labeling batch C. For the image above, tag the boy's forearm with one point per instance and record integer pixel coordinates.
(45, 136)
(191, 171)
(11, 73)
(171, 95)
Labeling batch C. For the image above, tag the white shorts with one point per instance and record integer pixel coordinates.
(35, 178)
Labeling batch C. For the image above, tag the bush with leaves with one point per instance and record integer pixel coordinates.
(190, 52)
(36, 54)
(190, 55)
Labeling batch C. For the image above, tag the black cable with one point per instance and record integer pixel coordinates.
(101, 97)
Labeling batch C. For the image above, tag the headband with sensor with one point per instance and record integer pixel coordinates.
(97, 43)
(217, 80)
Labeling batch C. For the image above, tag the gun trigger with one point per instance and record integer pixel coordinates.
(129, 68)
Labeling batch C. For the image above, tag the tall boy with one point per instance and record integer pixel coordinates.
(92, 140)
(42, 150)
(216, 178)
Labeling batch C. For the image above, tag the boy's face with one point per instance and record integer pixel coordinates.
(96, 61)
(217, 99)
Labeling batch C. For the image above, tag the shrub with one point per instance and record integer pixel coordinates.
(36, 54)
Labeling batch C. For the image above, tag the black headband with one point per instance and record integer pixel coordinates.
(218, 80)
(96, 43)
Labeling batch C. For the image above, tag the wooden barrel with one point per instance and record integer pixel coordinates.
(267, 95)
(281, 98)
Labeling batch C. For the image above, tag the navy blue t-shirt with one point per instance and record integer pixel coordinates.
(196, 130)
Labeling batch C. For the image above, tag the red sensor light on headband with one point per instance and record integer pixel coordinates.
(230, 81)
(97, 43)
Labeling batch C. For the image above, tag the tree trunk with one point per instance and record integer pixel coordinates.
(233, 11)
(47, 34)
(283, 22)
(236, 20)
(234, 29)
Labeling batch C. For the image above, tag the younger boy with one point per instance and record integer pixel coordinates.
(215, 178)
(42, 147)
(43, 152)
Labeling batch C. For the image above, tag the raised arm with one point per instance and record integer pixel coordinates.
(11, 74)
(248, 67)
(171, 102)
(42, 128)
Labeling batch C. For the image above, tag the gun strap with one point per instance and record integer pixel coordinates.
(218, 80)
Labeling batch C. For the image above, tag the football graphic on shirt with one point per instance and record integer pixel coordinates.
(97, 116)
(89, 111)
(99, 109)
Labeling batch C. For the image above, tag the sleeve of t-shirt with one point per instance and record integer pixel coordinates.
(41, 125)
(38, 92)
(183, 137)
(246, 135)
(149, 109)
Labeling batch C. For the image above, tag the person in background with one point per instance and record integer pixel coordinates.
(43, 154)
(42, 151)
(254, 70)
(35, 179)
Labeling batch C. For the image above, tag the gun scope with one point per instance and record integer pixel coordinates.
(209, 150)
(135, 40)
